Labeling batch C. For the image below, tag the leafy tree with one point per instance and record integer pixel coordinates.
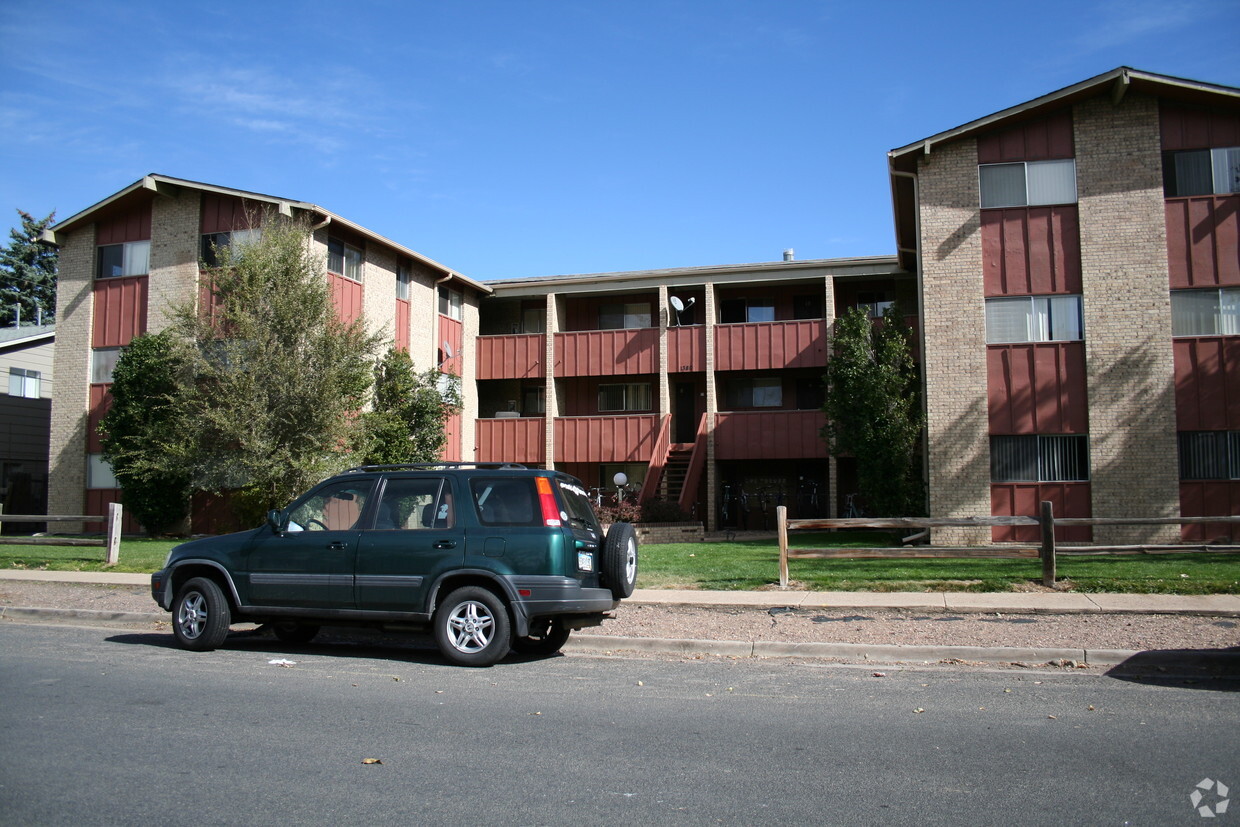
(873, 410)
(145, 419)
(278, 378)
(28, 272)
(409, 411)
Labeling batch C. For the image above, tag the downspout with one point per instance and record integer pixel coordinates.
(921, 318)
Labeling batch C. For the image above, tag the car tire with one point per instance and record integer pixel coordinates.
(289, 632)
(200, 615)
(472, 627)
(619, 568)
(546, 637)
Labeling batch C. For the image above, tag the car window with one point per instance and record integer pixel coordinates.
(577, 501)
(412, 504)
(506, 501)
(336, 506)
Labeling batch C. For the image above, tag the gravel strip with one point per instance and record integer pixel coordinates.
(781, 625)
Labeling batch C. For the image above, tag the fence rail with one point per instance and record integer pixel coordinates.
(1047, 551)
(112, 542)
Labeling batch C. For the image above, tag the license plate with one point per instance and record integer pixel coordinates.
(585, 561)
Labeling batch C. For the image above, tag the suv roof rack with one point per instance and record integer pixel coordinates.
(400, 466)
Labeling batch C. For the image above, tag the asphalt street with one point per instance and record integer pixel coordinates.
(108, 726)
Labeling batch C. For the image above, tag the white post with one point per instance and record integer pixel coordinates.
(114, 533)
(781, 520)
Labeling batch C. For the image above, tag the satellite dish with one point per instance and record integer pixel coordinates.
(620, 479)
(447, 351)
(677, 304)
(680, 306)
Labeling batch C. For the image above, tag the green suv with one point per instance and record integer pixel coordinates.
(488, 557)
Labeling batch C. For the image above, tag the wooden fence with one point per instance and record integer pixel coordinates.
(112, 542)
(1047, 551)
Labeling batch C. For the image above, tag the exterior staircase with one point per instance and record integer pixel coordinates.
(676, 469)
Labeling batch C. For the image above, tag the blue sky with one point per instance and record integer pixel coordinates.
(524, 138)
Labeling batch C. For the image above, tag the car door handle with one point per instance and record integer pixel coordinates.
(446, 544)
(337, 546)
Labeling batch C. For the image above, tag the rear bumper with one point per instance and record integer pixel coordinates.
(542, 596)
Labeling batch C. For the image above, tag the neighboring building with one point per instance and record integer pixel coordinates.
(25, 418)
(1071, 266)
(126, 261)
(1078, 268)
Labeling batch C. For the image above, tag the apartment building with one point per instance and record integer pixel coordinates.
(1077, 266)
(1071, 266)
(25, 416)
(126, 261)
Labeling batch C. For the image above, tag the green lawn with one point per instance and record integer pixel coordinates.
(754, 564)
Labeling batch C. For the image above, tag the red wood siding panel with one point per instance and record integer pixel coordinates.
(771, 345)
(452, 448)
(347, 294)
(401, 340)
(686, 349)
(582, 313)
(1024, 499)
(1031, 250)
(511, 440)
(1037, 388)
(214, 514)
(1041, 140)
(224, 213)
(1210, 499)
(120, 310)
(1207, 383)
(453, 333)
(516, 356)
(1203, 240)
(97, 502)
(605, 438)
(100, 403)
(1198, 128)
(132, 225)
(606, 352)
(770, 435)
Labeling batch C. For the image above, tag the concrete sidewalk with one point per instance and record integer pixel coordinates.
(1013, 602)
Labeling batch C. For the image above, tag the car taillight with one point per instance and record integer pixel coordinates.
(546, 499)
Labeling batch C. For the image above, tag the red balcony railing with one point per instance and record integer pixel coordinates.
(511, 440)
(516, 356)
(770, 435)
(605, 438)
(771, 345)
(686, 349)
(607, 352)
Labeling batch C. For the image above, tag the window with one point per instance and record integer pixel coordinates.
(1034, 319)
(344, 259)
(402, 283)
(509, 501)
(99, 473)
(216, 246)
(874, 302)
(133, 258)
(1209, 455)
(736, 311)
(533, 401)
(624, 316)
(1201, 172)
(1212, 312)
(335, 507)
(24, 382)
(1028, 183)
(102, 362)
(451, 303)
(533, 320)
(631, 397)
(754, 393)
(410, 504)
(1039, 458)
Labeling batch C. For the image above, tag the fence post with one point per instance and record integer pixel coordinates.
(1048, 544)
(781, 522)
(114, 533)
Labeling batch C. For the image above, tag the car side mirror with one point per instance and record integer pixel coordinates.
(274, 519)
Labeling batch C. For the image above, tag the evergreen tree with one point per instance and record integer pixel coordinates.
(409, 412)
(28, 273)
(874, 412)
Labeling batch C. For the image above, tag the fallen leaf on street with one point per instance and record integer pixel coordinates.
(371, 761)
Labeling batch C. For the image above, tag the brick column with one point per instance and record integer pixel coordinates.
(469, 374)
(175, 242)
(665, 380)
(833, 469)
(712, 409)
(1129, 360)
(954, 359)
(66, 489)
(551, 398)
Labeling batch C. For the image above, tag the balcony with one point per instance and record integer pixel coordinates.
(686, 349)
(605, 438)
(771, 345)
(511, 440)
(770, 435)
(607, 352)
(517, 356)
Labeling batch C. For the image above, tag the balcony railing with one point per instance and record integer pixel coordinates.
(770, 435)
(511, 440)
(771, 345)
(607, 352)
(605, 438)
(686, 349)
(516, 356)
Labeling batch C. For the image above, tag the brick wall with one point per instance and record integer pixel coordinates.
(954, 344)
(175, 243)
(1129, 357)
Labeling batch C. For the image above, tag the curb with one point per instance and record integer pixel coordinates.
(94, 615)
